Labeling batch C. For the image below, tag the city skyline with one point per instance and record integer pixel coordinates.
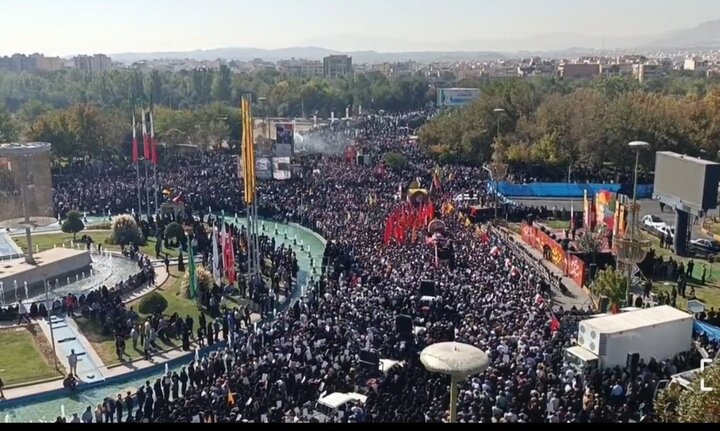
(103, 26)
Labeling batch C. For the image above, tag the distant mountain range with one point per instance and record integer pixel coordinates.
(702, 36)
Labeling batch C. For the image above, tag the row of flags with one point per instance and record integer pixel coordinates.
(406, 218)
(149, 141)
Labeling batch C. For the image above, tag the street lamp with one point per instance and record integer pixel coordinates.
(498, 172)
(497, 112)
(630, 250)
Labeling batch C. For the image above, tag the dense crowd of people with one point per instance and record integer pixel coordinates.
(494, 296)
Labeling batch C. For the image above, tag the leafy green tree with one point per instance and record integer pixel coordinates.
(125, 231)
(676, 404)
(612, 284)
(395, 161)
(73, 223)
(8, 130)
(174, 231)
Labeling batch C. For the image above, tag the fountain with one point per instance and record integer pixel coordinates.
(197, 354)
(67, 280)
(2, 294)
(27, 296)
(83, 275)
(77, 277)
(62, 410)
(17, 299)
(7, 419)
(167, 369)
(37, 248)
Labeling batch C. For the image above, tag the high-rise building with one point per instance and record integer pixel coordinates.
(335, 66)
(97, 63)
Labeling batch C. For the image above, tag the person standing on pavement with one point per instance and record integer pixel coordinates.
(72, 362)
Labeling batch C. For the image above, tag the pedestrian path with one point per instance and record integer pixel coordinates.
(68, 338)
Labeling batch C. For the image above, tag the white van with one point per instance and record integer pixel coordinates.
(329, 405)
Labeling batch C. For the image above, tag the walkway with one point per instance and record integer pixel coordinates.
(69, 338)
(576, 295)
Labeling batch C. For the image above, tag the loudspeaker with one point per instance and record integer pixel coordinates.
(403, 325)
(632, 360)
(369, 359)
(427, 288)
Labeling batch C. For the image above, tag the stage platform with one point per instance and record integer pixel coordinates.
(51, 264)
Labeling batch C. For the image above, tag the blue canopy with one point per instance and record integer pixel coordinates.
(702, 328)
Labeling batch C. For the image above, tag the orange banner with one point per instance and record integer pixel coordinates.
(574, 266)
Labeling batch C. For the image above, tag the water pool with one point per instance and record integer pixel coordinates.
(47, 407)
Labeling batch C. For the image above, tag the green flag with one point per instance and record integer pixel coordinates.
(191, 270)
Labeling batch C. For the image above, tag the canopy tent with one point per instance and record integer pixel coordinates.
(711, 331)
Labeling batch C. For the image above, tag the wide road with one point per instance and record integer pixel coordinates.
(647, 206)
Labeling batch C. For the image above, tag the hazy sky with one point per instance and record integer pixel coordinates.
(65, 27)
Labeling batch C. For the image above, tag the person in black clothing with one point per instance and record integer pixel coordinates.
(129, 404)
(183, 381)
(140, 397)
(166, 385)
(148, 408)
(186, 340)
(189, 325)
(175, 385)
(200, 336)
(109, 410)
(158, 390)
(202, 321)
(191, 373)
(119, 408)
(210, 334)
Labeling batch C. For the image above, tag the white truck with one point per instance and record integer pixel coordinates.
(655, 332)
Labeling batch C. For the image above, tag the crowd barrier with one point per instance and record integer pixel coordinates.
(568, 190)
(572, 265)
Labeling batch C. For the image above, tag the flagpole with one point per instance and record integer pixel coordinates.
(137, 171)
(155, 191)
(147, 189)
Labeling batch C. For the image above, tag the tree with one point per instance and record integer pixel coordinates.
(676, 404)
(73, 223)
(204, 282)
(174, 231)
(8, 130)
(125, 231)
(222, 85)
(395, 161)
(592, 241)
(612, 284)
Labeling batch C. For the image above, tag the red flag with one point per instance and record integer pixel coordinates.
(146, 144)
(554, 324)
(153, 142)
(389, 229)
(134, 141)
(229, 258)
(485, 238)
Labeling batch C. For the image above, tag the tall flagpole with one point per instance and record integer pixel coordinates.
(136, 161)
(153, 157)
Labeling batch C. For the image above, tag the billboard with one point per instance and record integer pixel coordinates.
(263, 168)
(688, 182)
(284, 140)
(282, 170)
(453, 97)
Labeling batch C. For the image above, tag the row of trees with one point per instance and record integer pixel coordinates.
(553, 124)
(284, 95)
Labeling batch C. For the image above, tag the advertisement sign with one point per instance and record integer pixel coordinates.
(569, 263)
(282, 169)
(263, 168)
(454, 97)
(284, 140)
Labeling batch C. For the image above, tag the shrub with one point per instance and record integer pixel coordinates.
(125, 231)
(395, 161)
(152, 302)
(174, 231)
(73, 223)
(204, 280)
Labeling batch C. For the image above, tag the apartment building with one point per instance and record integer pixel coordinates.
(335, 66)
(97, 63)
(579, 70)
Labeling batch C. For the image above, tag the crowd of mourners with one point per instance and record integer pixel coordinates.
(277, 370)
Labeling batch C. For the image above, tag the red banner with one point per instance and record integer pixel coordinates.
(569, 263)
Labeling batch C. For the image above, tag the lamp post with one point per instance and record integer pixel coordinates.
(48, 307)
(498, 112)
(633, 251)
(497, 172)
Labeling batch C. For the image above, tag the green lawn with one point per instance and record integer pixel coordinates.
(709, 294)
(177, 303)
(25, 356)
(49, 240)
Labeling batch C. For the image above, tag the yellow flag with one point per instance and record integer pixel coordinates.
(248, 151)
(468, 223)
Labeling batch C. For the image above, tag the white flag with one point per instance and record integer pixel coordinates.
(216, 257)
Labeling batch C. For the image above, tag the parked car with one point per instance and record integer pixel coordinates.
(653, 223)
(705, 247)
